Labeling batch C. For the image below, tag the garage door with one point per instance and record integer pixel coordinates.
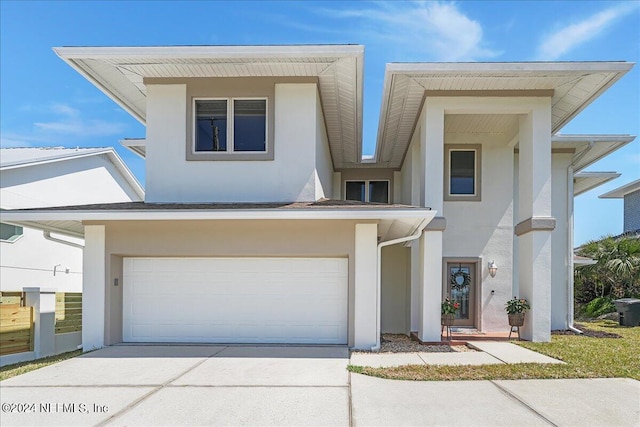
(235, 300)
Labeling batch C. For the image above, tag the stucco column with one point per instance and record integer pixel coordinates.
(43, 302)
(417, 199)
(429, 252)
(93, 287)
(432, 137)
(535, 222)
(366, 292)
(430, 285)
(32, 299)
(47, 322)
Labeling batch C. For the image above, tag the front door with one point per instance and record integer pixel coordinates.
(461, 288)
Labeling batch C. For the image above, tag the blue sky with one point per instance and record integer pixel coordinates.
(45, 102)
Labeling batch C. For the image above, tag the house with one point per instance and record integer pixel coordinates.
(54, 176)
(263, 223)
(631, 194)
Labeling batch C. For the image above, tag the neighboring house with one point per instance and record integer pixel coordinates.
(54, 176)
(631, 194)
(262, 222)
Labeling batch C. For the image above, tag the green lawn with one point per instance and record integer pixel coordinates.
(9, 371)
(585, 357)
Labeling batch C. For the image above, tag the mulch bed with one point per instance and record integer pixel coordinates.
(587, 332)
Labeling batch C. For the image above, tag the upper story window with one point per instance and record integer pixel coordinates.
(367, 191)
(230, 125)
(462, 172)
(10, 233)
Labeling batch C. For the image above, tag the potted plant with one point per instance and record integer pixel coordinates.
(448, 310)
(516, 309)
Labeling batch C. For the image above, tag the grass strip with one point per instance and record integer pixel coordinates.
(585, 357)
(10, 371)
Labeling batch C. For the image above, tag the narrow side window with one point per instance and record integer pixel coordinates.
(211, 125)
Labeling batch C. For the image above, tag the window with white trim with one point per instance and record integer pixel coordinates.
(372, 191)
(462, 173)
(10, 233)
(230, 125)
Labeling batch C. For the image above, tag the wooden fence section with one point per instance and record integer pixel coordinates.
(11, 298)
(68, 312)
(16, 329)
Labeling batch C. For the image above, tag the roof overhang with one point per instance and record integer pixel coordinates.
(137, 146)
(119, 72)
(393, 222)
(572, 86)
(109, 152)
(588, 149)
(620, 192)
(585, 181)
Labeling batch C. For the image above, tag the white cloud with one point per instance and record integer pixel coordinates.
(68, 124)
(437, 30)
(72, 123)
(557, 44)
(65, 110)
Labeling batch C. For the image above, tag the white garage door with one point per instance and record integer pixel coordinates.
(235, 300)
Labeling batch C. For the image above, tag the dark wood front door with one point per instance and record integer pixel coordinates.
(461, 288)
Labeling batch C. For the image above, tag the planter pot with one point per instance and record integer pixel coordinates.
(516, 319)
(447, 319)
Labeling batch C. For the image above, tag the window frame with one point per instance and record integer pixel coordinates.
(15, 237)
(366, 189)
(230, 153)
(477, 172)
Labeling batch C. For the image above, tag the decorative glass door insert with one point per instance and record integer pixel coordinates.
(461, 289)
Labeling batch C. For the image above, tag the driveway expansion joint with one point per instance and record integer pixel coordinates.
(144, 397)
(423, 361)
(84, 386)
(349, 399)
(253, 386)
(522, 402)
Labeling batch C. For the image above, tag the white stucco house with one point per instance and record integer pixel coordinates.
(54, 176)
(263, 223)
(630, 193)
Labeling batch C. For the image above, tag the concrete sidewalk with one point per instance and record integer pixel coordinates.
(582, 402)
(489, 353)
(292, 386)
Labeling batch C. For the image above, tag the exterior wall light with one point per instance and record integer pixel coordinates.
(60, 269)
(493, 268)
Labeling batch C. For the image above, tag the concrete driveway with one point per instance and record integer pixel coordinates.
(262, 385)
(185, 385)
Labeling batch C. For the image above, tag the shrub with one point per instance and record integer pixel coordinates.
(600, 306)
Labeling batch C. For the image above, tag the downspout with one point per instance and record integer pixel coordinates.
(570, 266)
(47, 236)
(416, 235)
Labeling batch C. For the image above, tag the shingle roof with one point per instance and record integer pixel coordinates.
(143, 206)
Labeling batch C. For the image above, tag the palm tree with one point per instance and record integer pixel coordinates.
(617, 270)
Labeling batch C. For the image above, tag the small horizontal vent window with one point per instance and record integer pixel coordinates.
(10, 233)
(367, 191)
